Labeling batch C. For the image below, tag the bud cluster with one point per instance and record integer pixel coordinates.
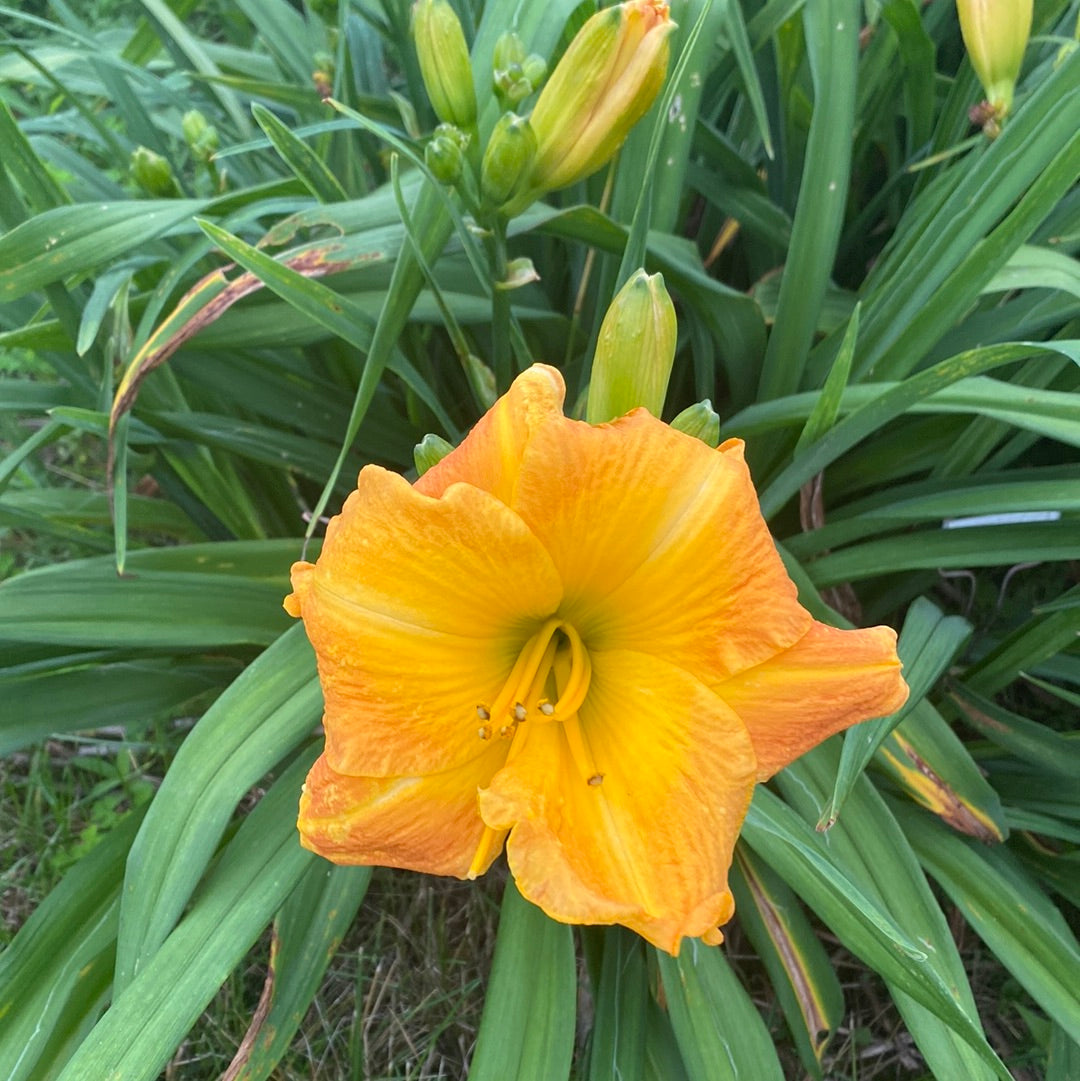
(604, 83)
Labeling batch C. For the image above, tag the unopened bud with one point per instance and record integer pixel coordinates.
(514, 74)
(444, 155)
(507, 159)
(152, 172)
(509, 49)
(430, 451)
(634, 352)
(996, 34)
(200, 135)
(701, 421)
(444, 62)
(603, 85)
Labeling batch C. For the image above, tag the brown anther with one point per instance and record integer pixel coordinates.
(484, 732)
(596, 779)
(505, 730)
(546, 708)
(520, 712)
(482, 713)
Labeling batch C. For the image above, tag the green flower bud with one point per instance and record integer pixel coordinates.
(444, 155)
(701, 421)
(515, 75)
(507, 159)
(430, 451)
(535, 69)
(152, 172)
(603, 85)
(996, 34)
(444, 62)
(634, 352)
(194, 126)
(509, 49)
(200, 135)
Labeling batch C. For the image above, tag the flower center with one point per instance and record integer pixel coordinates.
(549, 682)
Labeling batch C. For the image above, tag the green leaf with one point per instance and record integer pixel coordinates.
(56, 972)
(85, 603)
(262, 717)
(617, 1050)
(945, 1025)
(527, 1030)
(800, 970)
(1019, 924)
(1033, 742)
(257, 871)
(720, 1033)
(1031, 267)
(308, 931)
(801, 857)
(832, 30)
(306, 165)
(79, 693)
(71, 240)
(827, 407)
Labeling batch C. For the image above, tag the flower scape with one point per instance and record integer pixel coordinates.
(575, 641)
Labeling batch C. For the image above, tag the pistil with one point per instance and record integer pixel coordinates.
(549, 682)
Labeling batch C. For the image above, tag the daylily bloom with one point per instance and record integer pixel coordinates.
(578, 640)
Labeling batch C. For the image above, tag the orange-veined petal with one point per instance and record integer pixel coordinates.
(648, 843)
(429, 823)
(829, 680)
(660, 544)
(417, 609)
(489, 457)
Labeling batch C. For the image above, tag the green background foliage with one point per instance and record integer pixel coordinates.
(195, 362)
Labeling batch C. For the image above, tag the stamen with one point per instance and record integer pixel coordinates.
(484, 732)
(580, 753)
(505, 730)
(546, 708)
(520, 712)
(482, 713)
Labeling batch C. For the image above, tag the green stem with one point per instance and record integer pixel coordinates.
(500, 308)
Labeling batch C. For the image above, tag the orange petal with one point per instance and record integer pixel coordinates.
(648, 843)
(829, 680)
(490, 455)
(417, 609)
(429, 824)
(660, 544)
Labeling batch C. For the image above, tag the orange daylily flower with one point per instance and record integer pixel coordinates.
(576, 640)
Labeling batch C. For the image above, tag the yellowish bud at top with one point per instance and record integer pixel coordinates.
(603, 85)
(444, 62)
(996, 34)
(634, 352)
